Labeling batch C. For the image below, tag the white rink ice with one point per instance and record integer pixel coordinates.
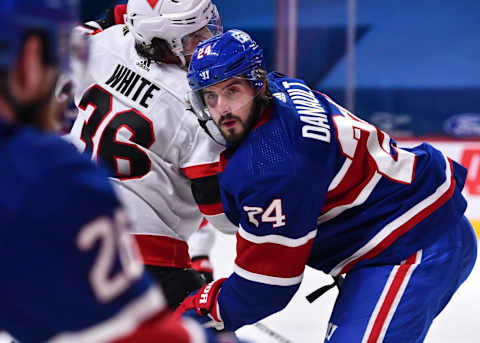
(302, 322)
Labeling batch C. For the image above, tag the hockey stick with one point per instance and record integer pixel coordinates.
(278, 337)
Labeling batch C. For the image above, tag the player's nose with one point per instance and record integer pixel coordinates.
(224, 105)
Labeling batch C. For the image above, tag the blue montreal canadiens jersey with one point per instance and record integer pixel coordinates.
(312, 184)
(66, 268)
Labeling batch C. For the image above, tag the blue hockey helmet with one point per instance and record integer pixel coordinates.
(54, 18)
(233, 53)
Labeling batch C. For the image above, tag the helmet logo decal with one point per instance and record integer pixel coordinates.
(153, 3)
(241, 36)
(204, 51)
(205, 75)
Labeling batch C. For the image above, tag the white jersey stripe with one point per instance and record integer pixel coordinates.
(125, 322)
(399, 221)
(277, 239)
(367, 338)
(340, 175)
(361, 198)
(268, 280)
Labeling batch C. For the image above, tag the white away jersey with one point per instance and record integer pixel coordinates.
(133, 117)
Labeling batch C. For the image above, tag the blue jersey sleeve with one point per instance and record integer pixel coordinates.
(277, 214)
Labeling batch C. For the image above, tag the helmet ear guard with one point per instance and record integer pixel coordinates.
(213, 131)
(198, 106)
(255, 78)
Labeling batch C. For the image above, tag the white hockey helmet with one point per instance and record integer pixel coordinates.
(172, 21)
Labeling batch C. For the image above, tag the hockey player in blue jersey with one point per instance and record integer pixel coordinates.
(69, 272)
(309, 183)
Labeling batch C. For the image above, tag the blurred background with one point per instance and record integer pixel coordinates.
(410, 67)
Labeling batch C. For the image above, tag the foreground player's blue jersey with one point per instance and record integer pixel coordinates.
(312, 184)
(67, 272)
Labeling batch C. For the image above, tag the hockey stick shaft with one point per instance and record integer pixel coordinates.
(272, 333)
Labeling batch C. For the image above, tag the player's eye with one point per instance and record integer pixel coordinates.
(230, 92)
(210, 99)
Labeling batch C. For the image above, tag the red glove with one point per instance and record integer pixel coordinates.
(113, 16)
(119, 12)
(203, 265)
(203, 306)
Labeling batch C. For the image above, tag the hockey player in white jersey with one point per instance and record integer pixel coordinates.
(133, 118)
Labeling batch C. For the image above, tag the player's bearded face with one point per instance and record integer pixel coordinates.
(38, 106)
(232, 106)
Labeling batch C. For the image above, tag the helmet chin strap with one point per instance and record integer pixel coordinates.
(219, 140)
(183, 61)
(178, 52)
(218, 137)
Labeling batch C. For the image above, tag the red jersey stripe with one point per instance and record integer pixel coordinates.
(201, 170)
(272, 259)
(372, 248)
(359, 173)
(387, 305)
(392, 237)
(211, 209)
(163, 251)
(163, 325)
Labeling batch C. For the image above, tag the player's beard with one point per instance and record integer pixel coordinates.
(235, 138)
(51, 116)
(44, 112)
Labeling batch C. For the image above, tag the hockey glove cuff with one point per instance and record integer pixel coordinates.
(203, 306)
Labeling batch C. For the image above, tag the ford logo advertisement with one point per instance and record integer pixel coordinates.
(463, 125)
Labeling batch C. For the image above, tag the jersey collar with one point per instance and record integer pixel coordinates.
(266, 115)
